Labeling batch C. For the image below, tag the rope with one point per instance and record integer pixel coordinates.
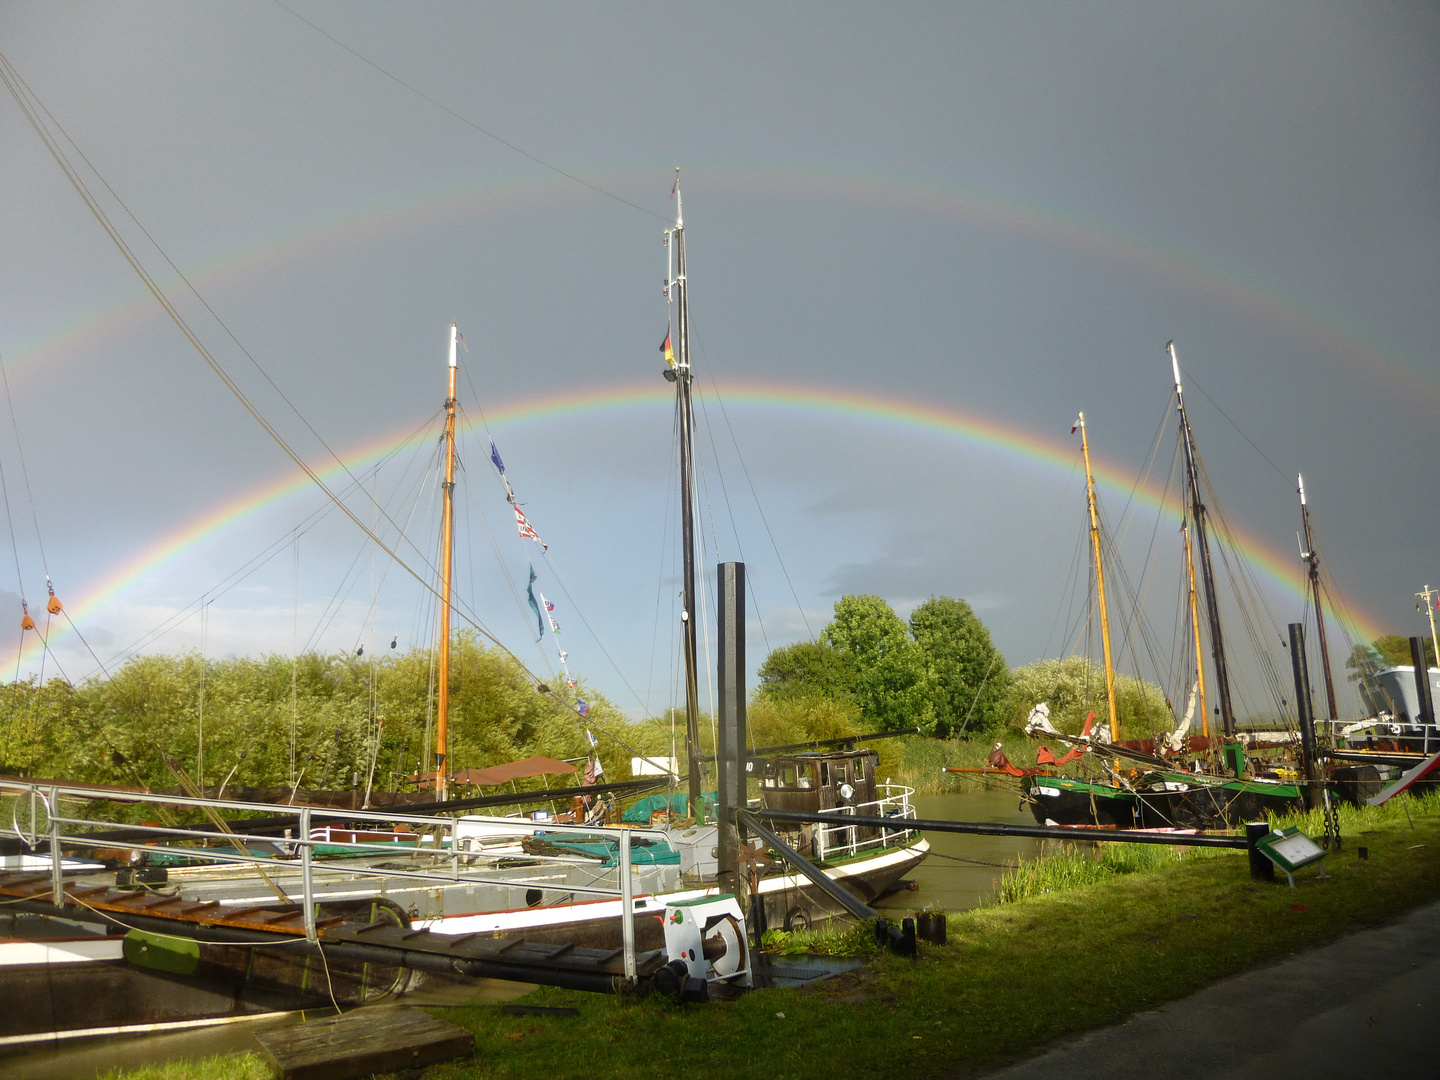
(468, 122)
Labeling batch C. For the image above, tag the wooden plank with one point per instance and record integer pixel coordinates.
(379, 1039)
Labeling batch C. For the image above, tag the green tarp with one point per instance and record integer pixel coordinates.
(676, 803)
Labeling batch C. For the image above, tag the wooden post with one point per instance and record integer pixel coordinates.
(1305, 712)
(1261, 868)
(730, 753)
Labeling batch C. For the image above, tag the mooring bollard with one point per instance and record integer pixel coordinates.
(882, 931)
(937, 929)
(1261, 868)
(907, 939)
(924, 926)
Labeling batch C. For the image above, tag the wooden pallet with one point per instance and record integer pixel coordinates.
(373, 1040)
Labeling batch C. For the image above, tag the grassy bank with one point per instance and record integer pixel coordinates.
(1068, 952)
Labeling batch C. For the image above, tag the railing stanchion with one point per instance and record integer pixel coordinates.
(627, 907)
(57, 872)
(307, 878)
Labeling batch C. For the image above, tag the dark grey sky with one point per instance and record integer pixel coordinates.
(997, 212)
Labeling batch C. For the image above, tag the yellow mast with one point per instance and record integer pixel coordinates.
(447, 545)
(1100, 584)
(1195, 627)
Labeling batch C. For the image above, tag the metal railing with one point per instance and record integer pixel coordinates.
(844, 839)
(46, 824)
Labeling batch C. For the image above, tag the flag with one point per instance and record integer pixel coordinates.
(495, 457)
(582, 707)
(530, 593)
(527, 532)
(668, 352)
(549, 609)
(1077, 424)
(594, 742)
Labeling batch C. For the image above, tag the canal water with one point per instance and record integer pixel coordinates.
(963, 870)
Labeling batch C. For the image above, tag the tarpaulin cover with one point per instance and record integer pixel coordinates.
(514, 770)
(675, 803)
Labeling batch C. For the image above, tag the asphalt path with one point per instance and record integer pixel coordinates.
(1367, 1005)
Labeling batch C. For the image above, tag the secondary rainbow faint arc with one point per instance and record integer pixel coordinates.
(1071, 229)
(1053, 455)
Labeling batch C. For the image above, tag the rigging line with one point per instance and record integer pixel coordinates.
(1190, 378)
(725, 493)
(468, 122)
(599, 640)
(24, 470)
(181, 275)
(246, 569)
(665, 547)
(10, 521)
(8, 75)
(495, 547)
(1028, 579)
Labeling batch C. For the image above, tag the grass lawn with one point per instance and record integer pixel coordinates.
(1098, 946)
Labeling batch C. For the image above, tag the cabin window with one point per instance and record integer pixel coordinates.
(769, 776)
(806, 777)
(859, 769)
(787, 776)
(824, 774)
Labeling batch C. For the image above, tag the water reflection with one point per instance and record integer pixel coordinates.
(962, 871)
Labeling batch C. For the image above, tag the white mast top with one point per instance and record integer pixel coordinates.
(679, 213)
(453, 333)
(1175, 366)
(1300, 479)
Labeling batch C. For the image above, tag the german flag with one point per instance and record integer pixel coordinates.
(667, 350)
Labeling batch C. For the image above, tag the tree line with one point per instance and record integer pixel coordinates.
(941, 672)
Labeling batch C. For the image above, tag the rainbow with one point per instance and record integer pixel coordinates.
(46, 349)
(964, 430)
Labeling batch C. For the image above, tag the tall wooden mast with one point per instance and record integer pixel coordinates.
(1100, 584)
(680, 375)
(1312, 562)
(447, 549)
(1195, 629)
(1197, 515)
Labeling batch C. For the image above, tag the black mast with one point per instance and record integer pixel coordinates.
(1197, 514)
(1312, 561)
(680, 375)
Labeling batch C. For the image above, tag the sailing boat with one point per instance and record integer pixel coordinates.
(1144, 789)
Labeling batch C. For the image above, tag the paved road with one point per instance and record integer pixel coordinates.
(1367, 1005)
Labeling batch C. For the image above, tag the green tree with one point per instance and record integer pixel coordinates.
(804, 670)
(1075, 686)
(891, 683)
(968, 679)
(1392, 650)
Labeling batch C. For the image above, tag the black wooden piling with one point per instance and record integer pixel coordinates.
(1261, 868)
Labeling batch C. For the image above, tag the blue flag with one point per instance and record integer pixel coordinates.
(530, 594)
(495, 457)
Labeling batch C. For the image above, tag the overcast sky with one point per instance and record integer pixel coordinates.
(920, 239)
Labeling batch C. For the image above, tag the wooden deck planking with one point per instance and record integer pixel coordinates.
(373, 1040)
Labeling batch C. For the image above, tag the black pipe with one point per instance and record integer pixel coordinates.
(993, 828)
(823, 881)
(848, 740)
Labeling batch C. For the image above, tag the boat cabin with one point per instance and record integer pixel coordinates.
(842, 782)
(817, 782)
